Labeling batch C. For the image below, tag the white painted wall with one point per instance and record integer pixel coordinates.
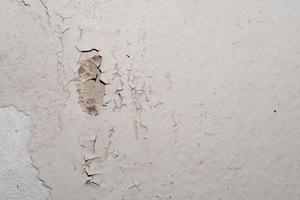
(202, 100)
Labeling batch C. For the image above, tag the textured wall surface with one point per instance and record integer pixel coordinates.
(18, 177)
(201, 100)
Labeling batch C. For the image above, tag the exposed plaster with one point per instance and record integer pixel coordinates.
(19, 177)
(91, 88)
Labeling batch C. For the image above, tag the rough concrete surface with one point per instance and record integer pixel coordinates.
(201, 100)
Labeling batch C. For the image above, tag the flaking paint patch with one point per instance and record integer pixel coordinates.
(91, 88)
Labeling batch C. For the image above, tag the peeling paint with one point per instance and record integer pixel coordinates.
(91, 88)
(188, 111)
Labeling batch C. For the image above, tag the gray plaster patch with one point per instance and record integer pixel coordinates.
(18, 177)
(90, 87)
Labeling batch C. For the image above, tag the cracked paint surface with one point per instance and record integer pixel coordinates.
(201, 100)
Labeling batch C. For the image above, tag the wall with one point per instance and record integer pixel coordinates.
(201, 100)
